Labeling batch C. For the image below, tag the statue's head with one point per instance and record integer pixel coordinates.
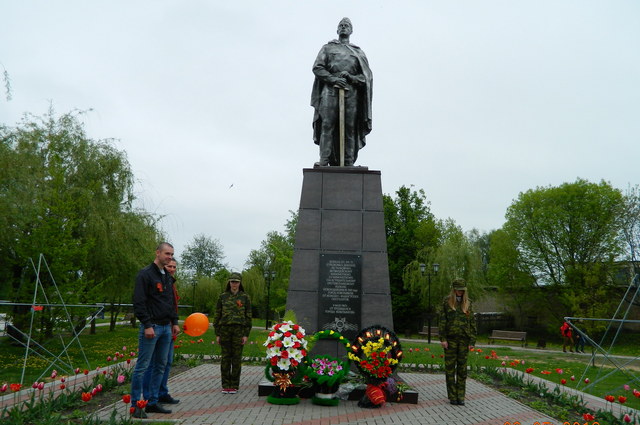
(345, 27)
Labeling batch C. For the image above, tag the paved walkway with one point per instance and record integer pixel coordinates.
(203, 403)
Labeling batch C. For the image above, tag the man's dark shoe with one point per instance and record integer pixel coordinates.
(139, 413)
(454, 402)
(460, 402)
(156, 408)
(167, 399)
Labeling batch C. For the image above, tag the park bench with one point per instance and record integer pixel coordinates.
(434, 331)
(508, 336)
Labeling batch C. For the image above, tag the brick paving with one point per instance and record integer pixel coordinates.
(202, 403)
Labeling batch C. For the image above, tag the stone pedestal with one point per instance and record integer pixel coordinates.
(341, 220)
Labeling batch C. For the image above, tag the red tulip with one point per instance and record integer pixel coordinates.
(86, 372)
(529, 370)
(563, 381)
(128, 361)
(622, 399)
(132, 409)
(586, 380)
(41, 385)
(34, 385)
(626, 418)
(559, 371)
(77, 371)
(15, 387)
(141, 403)
(3, 388)
(545, 372)
(99, 387)
(86, 397)
(54, 374)
(610, 398)
(94, 391)
(588, 416)
(63, 386)
(573, 378)
(63, 379)
(126, 399)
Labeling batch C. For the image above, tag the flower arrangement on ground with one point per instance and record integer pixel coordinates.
(326, 373)
(376, 352)
(286, 350)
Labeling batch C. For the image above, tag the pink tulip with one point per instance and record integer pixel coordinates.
(573, 378)
(586, 380)
(3, 388)
(54, 374)
(626, 387)
(124, 348)
(41, 386)
(626, 418)
(121, 379)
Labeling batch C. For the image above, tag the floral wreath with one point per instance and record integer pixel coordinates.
(286, 346)
(324, 369)
(376, 352)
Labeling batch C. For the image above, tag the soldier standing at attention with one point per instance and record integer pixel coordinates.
(457, 327)
(232, 323)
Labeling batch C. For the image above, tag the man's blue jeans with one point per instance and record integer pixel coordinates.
(164, 387)
(152, 354)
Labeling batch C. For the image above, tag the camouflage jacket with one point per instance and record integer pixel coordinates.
(233, 310)
(454, 324)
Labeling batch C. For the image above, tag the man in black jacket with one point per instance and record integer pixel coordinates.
(154, 306)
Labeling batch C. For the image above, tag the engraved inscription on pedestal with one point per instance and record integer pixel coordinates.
(340, 289)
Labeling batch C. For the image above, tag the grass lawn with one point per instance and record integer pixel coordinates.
(104, 344)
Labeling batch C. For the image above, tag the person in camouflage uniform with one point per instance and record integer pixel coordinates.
(457, 328)
(232, 324)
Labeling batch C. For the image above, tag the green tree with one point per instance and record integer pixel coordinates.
(274, 256)
(412, 236)
(67, 197)
(567, 237)
(516, 286)
(203, 256)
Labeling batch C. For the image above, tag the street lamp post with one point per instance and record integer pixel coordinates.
(269, 275)
(435, 269)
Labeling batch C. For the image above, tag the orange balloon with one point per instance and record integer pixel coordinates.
(196, 324)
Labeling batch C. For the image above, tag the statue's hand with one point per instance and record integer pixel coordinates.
(341, 82)
(345, 75)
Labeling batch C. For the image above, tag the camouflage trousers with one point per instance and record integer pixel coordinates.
(231, 362)
(455, 368)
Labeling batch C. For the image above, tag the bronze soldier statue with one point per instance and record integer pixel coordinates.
(343, 86)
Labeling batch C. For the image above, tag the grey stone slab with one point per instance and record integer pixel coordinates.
(342, 191)
(311, 196)
(341, 230)
(305, 305)
(305, 270)
(308, 229)
(377, 311)
(374, 237)
(375, 273)
(372, 192)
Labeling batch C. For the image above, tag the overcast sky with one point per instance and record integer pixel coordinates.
(474, 101)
